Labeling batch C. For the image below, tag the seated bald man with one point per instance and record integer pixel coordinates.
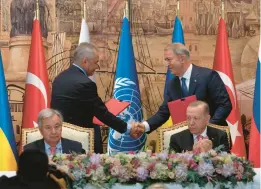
(50, 126)
(198, 118)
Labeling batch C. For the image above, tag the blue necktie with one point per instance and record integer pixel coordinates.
(184, 87)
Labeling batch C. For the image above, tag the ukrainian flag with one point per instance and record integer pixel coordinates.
(8, 151)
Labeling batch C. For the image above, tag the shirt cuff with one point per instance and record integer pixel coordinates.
(147, 126)
(128, 128)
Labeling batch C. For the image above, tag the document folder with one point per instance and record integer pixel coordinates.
(115, 107)
(178, 108)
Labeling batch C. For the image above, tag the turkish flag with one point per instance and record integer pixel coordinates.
(37, 88)
(222, 64)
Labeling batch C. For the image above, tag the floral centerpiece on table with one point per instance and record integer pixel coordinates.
(185, 168)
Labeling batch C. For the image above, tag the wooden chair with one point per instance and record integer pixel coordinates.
(164, 134)
(69, 131)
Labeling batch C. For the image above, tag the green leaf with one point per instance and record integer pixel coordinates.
(112, 182)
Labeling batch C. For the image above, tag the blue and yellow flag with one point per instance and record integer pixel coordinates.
(126, 88)
(8, 152)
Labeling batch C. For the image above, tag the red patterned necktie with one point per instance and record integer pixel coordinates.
(53, 150)
(200, 137)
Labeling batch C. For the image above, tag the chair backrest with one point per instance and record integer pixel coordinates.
(164, 134)
(70, 131)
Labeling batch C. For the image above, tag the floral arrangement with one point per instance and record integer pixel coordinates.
(185, 168)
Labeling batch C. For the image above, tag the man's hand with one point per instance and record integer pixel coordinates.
(137, 129)
(203, 145)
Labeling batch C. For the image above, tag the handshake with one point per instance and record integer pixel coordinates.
(137, 129)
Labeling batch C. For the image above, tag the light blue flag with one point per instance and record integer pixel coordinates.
(177, 37)
(8, 152)
(126, 88)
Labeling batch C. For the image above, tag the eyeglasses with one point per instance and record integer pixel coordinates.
(49, 128)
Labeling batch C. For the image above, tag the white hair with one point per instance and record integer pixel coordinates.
(84, 50)
(47, 113)
(178, 49)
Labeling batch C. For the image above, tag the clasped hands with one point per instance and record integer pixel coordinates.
(203, 145)
(137, 129)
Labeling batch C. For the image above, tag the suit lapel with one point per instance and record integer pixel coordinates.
(188, 141)
(191, 141)
(211, 136)
(64, 146)
(40, 145)
(193, 80)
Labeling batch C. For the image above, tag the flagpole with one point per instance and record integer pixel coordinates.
(37, 10)
(177, 7)
(84, 10)
(222, 9)
(126, 10)
(129, 12)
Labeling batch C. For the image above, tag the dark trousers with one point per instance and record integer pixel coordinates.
(97, 139)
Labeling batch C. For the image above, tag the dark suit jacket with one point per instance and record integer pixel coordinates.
(68, 146)
(17, 183)
(207, 85)
(184, 141)
(75, 95)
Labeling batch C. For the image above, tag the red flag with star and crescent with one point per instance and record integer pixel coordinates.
(37, 88)
(222, 64)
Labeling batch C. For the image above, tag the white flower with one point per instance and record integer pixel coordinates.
(142, 155)
(160, 166)
(171, 175)
(228, 170)
(181, 172)
(153, 174)
(206, 169)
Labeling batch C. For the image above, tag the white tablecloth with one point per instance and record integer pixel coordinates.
(253, 185)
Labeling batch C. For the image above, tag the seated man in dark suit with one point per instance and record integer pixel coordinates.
(50, 126)
(198, 117)
(32, 173)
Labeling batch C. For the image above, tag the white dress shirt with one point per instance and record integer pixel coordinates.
(204, 134)
(59, 149)
(186, 75)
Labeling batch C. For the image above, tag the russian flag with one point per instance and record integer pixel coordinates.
(254, 142)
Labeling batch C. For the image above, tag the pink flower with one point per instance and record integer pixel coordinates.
(192, 164)
(88, 170)
(151, 166)
(172, 156)
(163, 156)
(142, 174)
(115, 170)
(95, 159)
(70, 166)
(131, 152)
(169, 165)
(94, 166)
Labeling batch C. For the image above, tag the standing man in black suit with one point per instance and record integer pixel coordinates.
(50, 126)
(75, 95)
(198, 118)
(189, 80)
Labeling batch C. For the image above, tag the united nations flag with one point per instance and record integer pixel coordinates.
(126, 88)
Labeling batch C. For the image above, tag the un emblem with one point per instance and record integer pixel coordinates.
(126, 90)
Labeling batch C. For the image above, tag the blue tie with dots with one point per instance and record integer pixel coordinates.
(184, 87)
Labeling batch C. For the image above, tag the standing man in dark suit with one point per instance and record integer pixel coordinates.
(50, 126)
(75, 95)
(198, 118)
(189, 80)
